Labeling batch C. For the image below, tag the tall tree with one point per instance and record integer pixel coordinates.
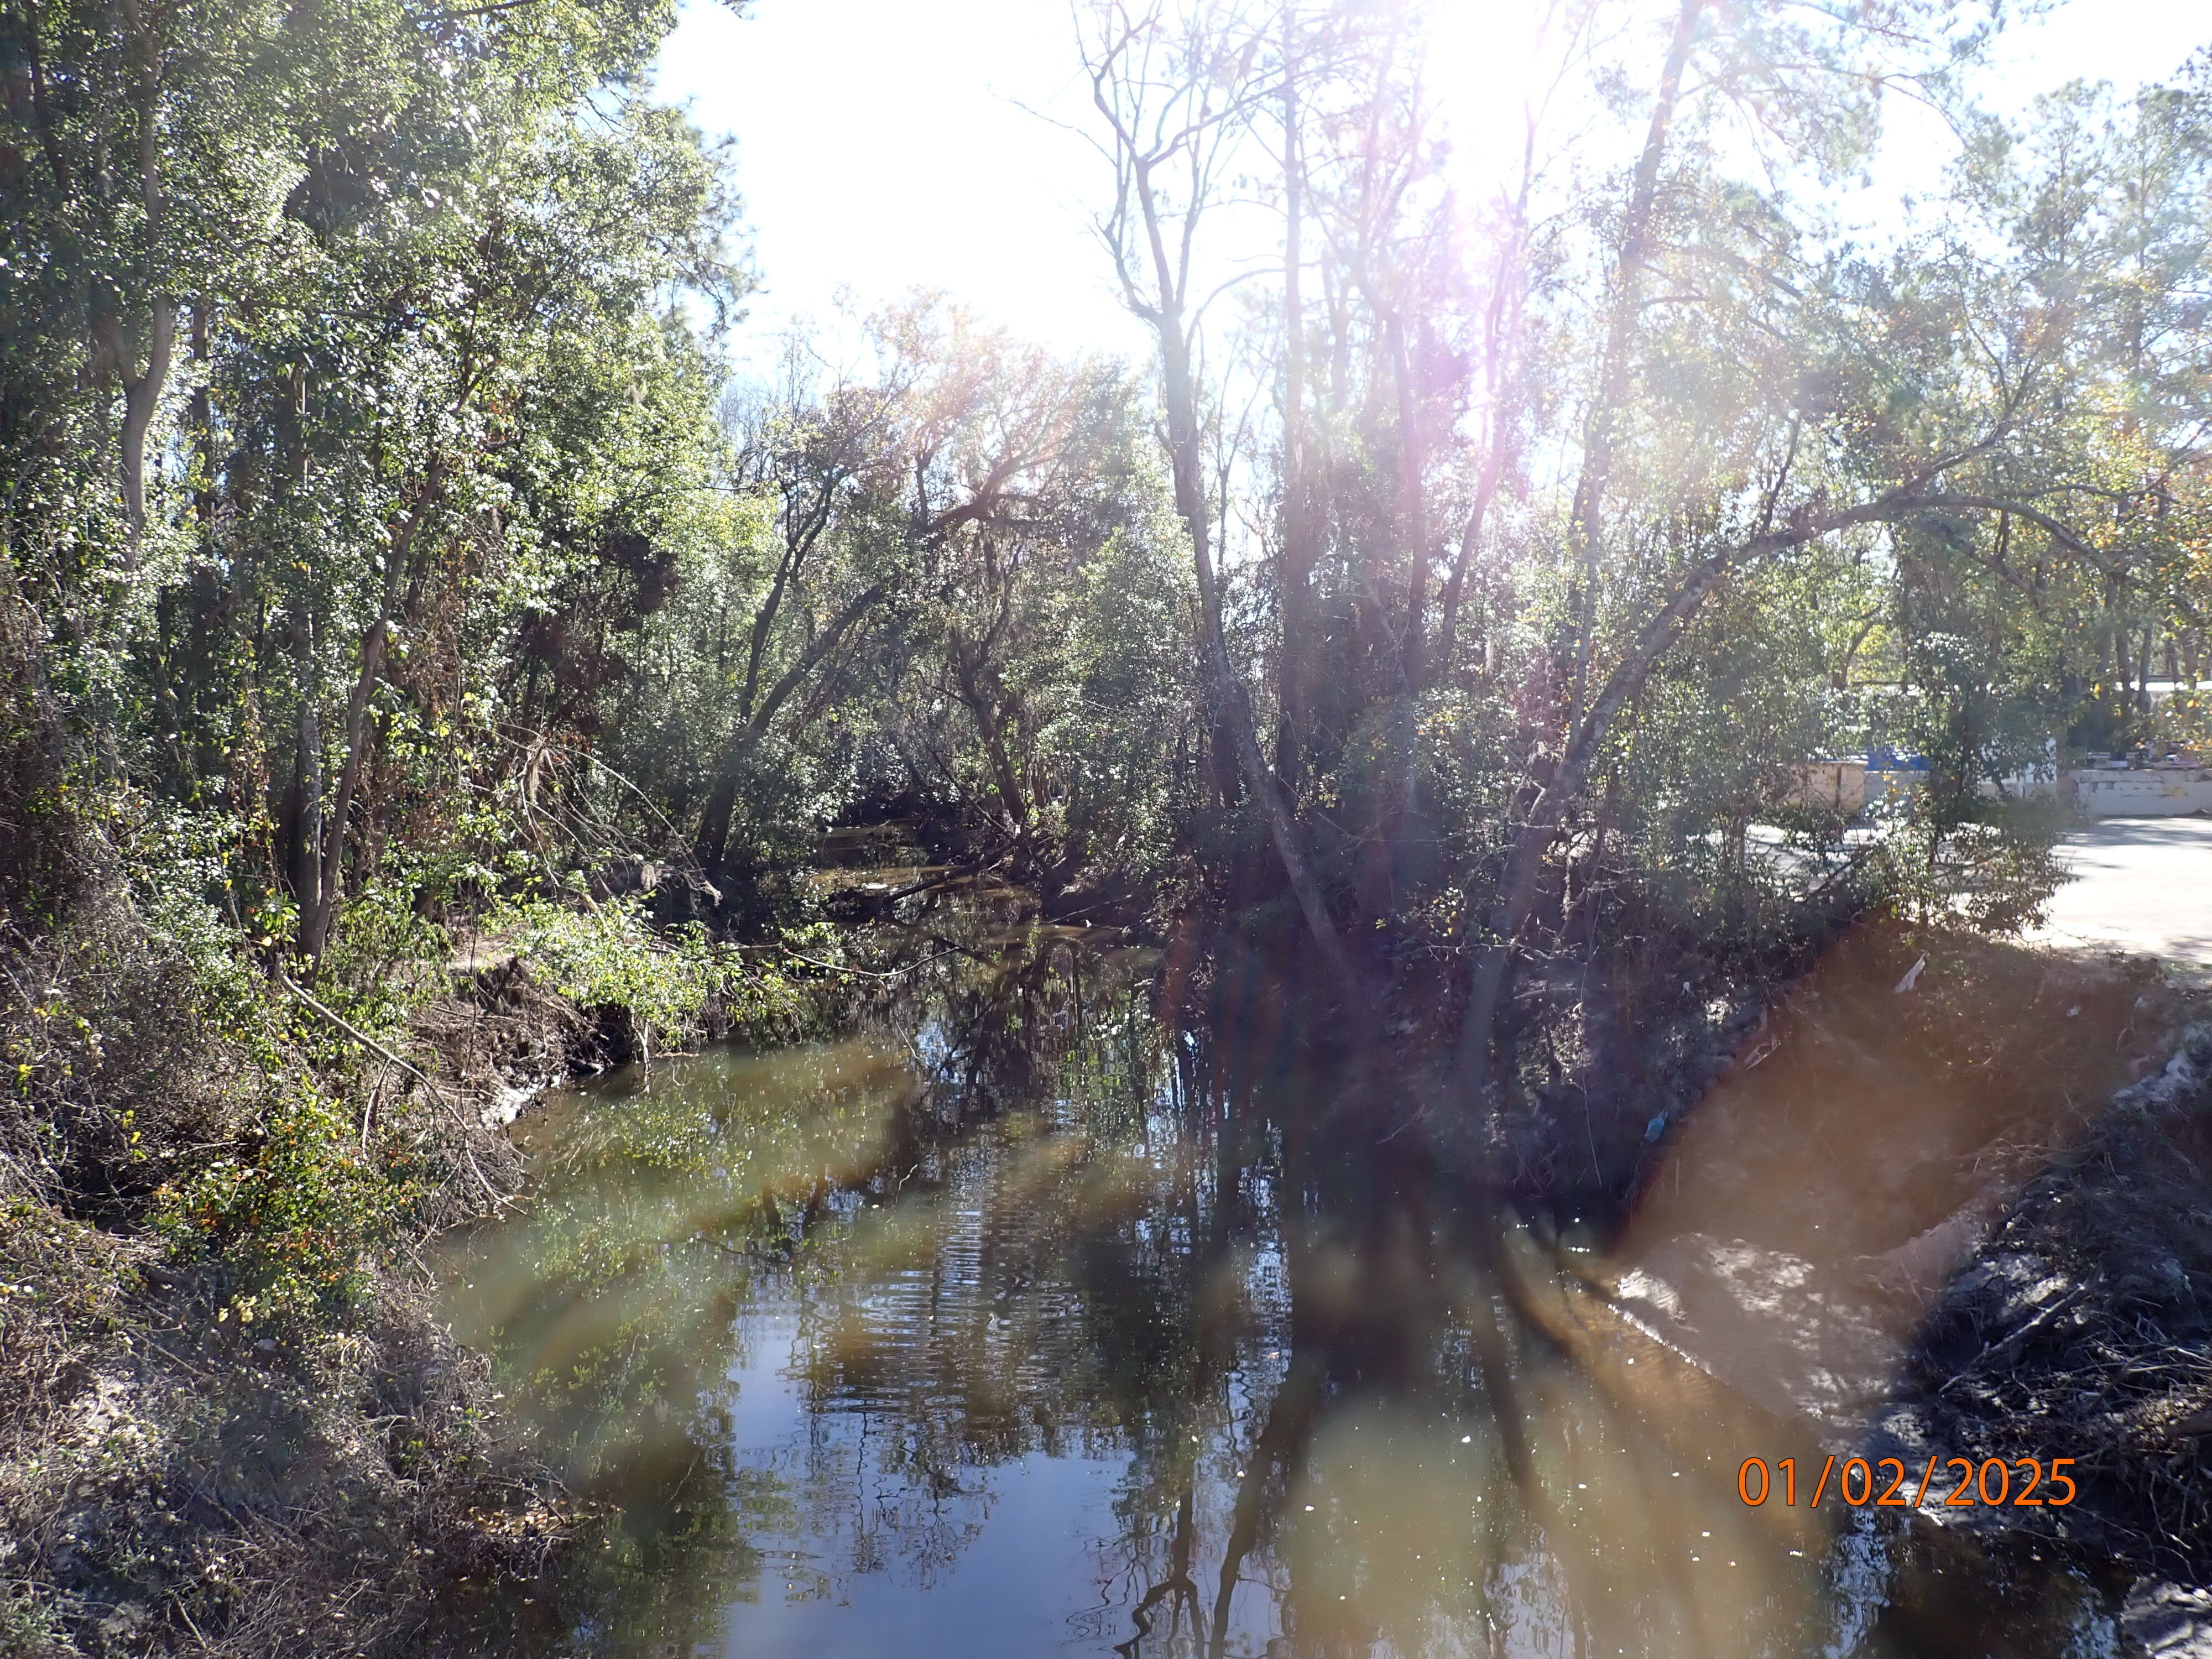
(1174, 92)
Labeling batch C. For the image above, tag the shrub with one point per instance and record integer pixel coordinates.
(662, 980)
(293, 1210)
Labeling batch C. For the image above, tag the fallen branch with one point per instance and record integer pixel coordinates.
(866, 973)
(499, 1201)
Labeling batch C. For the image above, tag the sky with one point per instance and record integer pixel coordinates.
(885, 146)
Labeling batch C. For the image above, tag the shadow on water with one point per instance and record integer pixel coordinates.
(1021, 1322)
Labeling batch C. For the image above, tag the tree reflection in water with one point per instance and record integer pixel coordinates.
(1024, 1322)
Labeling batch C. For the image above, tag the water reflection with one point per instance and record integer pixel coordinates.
(1021, 1323)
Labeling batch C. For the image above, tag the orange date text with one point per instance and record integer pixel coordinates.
(1890, 1483)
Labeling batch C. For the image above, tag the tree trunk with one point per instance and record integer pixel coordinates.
(1412, 511)
(316, 920)
(305, 808)
(1588, 519)
(1183, 435)
(1501, 329)
(983, 708)
(141, 396)
(1586, 727)
(713, 842)
(1235, 707)
(203, 434)
(1516, 899)
(1294, 676)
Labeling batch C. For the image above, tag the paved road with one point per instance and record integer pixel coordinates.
(2142, 885)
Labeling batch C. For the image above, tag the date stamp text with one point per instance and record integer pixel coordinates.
(1890, 1483)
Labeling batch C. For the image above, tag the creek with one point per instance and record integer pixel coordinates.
(1020, 1322)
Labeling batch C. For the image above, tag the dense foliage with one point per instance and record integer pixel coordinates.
(1583, 513)
(398, 579)
(392, 552)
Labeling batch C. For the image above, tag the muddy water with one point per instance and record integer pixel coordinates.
(1020, 1324)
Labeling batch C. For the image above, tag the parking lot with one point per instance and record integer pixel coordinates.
(2142, 885)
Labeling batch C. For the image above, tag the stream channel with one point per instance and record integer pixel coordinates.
(1019, 1322)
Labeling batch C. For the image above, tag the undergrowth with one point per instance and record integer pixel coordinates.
(229, 1423)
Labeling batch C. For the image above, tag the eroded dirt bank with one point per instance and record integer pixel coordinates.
(1961, 1210)
(179, 1475)
(2082, 1328)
